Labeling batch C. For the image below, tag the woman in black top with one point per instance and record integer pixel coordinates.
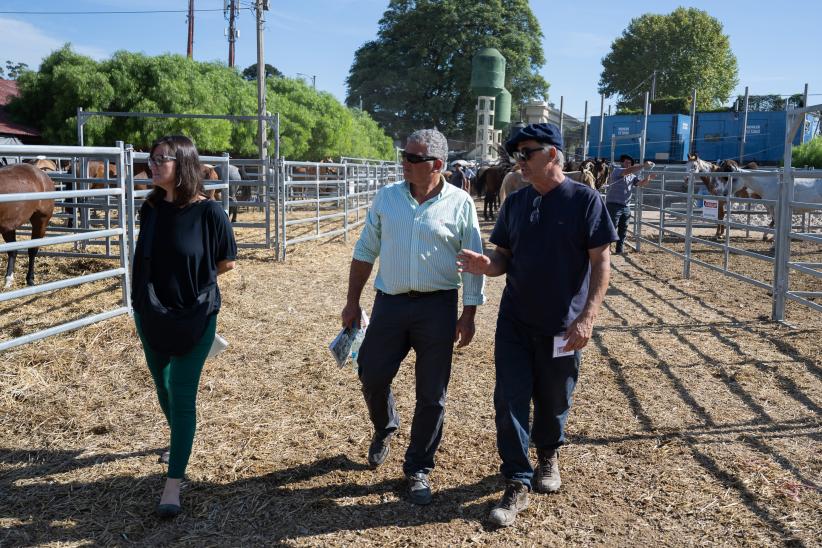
(185, 242)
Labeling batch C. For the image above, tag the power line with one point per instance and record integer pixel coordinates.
(130, 12)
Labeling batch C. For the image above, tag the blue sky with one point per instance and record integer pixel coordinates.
(775, 42)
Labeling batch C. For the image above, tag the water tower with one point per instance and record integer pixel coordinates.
(493, 100)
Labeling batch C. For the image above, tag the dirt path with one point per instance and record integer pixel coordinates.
(696, 421)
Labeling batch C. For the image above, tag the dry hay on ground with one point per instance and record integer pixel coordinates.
(696, 421)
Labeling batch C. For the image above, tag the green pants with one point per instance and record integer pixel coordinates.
(177, 379)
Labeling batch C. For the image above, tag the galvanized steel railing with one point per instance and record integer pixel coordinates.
(678, 218)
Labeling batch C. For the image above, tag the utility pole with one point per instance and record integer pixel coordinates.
(232, 31)
(260, 6)
(190, 48)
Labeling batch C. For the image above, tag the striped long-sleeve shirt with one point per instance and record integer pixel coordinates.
(418, 243)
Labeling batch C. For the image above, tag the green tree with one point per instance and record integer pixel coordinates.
(686, 48)
(417, 73)
(765, 103)
(312, 125)
(250, 72)
(13, 70)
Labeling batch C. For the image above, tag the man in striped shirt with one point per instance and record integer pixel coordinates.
(416, 227)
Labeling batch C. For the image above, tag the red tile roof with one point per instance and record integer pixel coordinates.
(8, 90)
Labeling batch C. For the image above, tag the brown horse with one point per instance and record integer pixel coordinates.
(24, 178)
(489, 182)
(601, 172)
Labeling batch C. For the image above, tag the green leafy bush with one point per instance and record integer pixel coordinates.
(313, 125)
(808, 154)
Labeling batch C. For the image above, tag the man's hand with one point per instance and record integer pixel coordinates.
(579, 333)
(351, 315)
(465, 327)
(472, 262)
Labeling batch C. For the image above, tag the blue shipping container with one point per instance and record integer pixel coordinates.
(717, 136)
(667, 141)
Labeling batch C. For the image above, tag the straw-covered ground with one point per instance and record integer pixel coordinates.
(696, 422)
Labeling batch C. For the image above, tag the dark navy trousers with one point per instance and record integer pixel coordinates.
(526, 370)
(427, 324)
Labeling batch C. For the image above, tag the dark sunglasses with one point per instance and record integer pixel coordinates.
(416, 158)
(524, 154)
(161, 159)
(535, 213)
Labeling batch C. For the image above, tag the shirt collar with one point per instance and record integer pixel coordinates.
(441, 194)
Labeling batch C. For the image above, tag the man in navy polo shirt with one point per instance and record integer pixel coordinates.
(552, 241)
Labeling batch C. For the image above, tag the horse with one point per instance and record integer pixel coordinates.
(24, 178)
(601, 172)
(718, 186)
(766, 186)
(489, 182)
(582, 172)
(43, 164)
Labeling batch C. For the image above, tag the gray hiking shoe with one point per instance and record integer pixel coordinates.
(419, 488)
(513, 501)
(379, 448)
(546, 478)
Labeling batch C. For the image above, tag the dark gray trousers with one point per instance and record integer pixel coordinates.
(399, 323)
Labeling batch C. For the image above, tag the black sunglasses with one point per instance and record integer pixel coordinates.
(524, 154)
(535, 213)
(416, 158)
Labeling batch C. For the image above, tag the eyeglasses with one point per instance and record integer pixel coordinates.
(416, 158)
(157, 160)
(524, 154)
(535, 213)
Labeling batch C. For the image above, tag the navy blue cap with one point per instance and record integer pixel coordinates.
(543, 133)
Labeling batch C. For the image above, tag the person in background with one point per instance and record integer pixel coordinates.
(621, 183)
(458, 178)
(416, 227)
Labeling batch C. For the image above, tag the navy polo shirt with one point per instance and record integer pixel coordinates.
(547, 279)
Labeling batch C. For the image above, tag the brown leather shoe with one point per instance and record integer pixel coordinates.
(546, 478)
(513, 501)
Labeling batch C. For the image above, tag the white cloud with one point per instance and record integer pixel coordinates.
(22, 42)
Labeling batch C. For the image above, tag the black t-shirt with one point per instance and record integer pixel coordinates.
(547, 279)
(188, 244)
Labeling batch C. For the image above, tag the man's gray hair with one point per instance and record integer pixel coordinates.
(435, 142)
(560, 158)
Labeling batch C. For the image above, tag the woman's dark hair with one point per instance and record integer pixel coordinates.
(187, 169)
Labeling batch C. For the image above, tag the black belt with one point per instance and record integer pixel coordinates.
(416, 294)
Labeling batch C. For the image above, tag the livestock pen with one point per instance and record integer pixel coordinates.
(696, 419)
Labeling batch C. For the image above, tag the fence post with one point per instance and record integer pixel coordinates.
(345, 207)
(686, 268)
(227, 190)
(284, 176)
(126, 208)
(782, 225)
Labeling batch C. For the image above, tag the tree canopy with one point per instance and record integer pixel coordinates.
(417, 73)
(313, 125)
(764, 103)
(12, 70)
(250, 72)
(686, 48)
